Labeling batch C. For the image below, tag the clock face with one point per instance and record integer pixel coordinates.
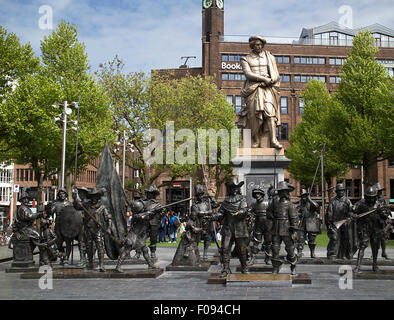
(207, 4)
(219, 4)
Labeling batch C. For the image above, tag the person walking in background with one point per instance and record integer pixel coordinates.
(174, 225)
(164, 222)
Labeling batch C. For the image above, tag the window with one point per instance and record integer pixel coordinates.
(229, 99)
(238, 103)
(307, 77)
(282, 59)
(283, 105)
(284, 130)
(232, 57)
(335, 79)
(136, 173)
(349, 185)
(233, 76)
(309, 60)
(301, 103)
(357, 188)
(284, 78)
(336, 61)
(391, 162)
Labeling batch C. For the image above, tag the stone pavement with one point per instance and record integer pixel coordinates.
(192, 285)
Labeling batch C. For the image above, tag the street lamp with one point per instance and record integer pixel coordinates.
(63, 117)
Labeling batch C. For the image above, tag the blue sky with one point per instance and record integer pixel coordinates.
(155, 34)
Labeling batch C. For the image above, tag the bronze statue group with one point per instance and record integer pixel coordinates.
(260, 227)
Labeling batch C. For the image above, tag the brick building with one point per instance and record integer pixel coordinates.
(318, 53)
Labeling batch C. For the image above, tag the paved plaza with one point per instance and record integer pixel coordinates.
(192, 285)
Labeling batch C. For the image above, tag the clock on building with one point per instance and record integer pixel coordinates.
(207, 4)
(219, 4)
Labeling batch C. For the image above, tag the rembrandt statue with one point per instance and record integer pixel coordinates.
(261, 111)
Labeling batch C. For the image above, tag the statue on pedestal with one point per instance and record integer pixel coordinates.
(98, 216)
(285, 224)
(233, 210)
(25, 236)
(386, 236)
(342, 242)
(370, 228)
(203, 206)
(308, 211)
(187, 253)
(261, 112)
(153, 206)
(136, 238)
(262, 226)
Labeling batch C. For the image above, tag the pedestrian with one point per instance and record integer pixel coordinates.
(163, 228)
(174, 225)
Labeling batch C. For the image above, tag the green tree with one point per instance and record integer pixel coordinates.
(33, 136)
(360, 125)
(310, 136)
(195, 103)
(140, 103)
(17, 62)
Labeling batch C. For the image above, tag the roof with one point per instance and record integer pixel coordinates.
(336, 27)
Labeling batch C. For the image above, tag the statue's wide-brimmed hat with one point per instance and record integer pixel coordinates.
(24, 195)
(257, 37)
(283, 185)
(257, 190)
(379, 187)
(62, 190)
(199, 189)
(96, 192)
(303, 193)
(339, 187)
(233, 184)
(152, 189)
(371, 191)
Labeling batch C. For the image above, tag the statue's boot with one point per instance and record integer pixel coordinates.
(293, 261)
(359, 259)
(375, 266)
(149, 259)
(276, 263)
(205, 254)
(268, 253)
(244, 265)
(101, 261)
(312, 249)
(272, 130)
(384, 254)
(118, 267)
(89, 253)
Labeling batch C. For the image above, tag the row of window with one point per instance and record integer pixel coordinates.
(6, 175)
(232, 76)
(236, 101)
(286, 59)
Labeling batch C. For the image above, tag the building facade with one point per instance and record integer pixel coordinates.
(319, 54)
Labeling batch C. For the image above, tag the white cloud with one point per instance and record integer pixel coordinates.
(155, 34)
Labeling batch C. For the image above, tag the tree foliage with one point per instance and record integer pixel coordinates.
(32, 136)
(356, 123)
(310, 136)
(362, 118)
(140, 103)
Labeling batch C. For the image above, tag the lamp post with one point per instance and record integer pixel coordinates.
(63, 116)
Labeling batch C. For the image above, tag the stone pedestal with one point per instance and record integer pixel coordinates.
(22, 254)
(259, 167)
